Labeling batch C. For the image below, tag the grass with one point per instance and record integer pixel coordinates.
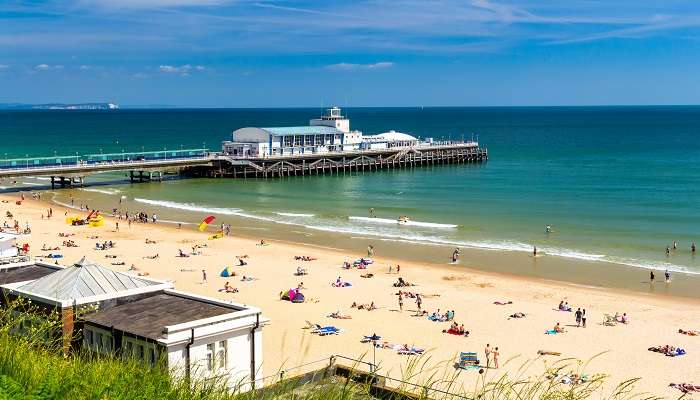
(32, 367)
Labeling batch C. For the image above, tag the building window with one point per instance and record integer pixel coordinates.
(210, 356)
(221, 355)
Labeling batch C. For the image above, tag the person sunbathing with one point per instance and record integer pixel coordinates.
(181, 253)
(153, 257)
(558, 328)
(338, 315)
(502, 303)
(119, 263)
(133, 268)
(247, 278)
(371, 307)
(300, 271)
(149, 241)
(517, 315)
(228, 288)
(241, 262)
(366, 275)
(689, 333)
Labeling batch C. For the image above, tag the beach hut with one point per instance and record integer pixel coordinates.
(227, 272)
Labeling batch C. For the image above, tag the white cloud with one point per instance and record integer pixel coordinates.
(351, 67)
(183, 70)
(4, 66)
(48, 67)
(116, 4)
(85, 67)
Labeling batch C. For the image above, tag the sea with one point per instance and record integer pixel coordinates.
(616, 184)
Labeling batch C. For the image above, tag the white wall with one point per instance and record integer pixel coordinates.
(7, 249)
(237, 367)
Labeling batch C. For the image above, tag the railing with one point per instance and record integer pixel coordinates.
(92, 160)
(398, 384)
(296, 154)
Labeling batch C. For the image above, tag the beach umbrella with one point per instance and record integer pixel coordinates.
(205, 222)
(228, 271)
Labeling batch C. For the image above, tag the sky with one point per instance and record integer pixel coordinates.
(295, 53)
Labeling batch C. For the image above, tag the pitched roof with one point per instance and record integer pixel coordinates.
(148, 317)
(25, 273)
(83, 279)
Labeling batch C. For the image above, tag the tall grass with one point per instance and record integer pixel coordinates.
(32, 366)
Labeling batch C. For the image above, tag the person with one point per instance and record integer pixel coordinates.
(204, 276)
(651, 276)
(419, 301)
(154, 218)
(487, 352)
(583, 318)
(578, 317)
(370, 251)
(371, 212)
(675, 245)
(398, 269)
(117, 225)
(668, 251)
(495, 355)
(455, 255)
(548, 229)
(400, 302)
(534, 251)
(667, 275)
(558, 328)
(692, 247)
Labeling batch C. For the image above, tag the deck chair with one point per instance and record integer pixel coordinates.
(327, 330)
(412, 352)
(468, 360)
(609, 320)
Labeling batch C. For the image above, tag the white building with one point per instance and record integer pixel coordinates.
(195, 337)
(7, 245)
(388, 140)
(328, 133)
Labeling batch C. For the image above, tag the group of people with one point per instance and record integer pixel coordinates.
(105, 245)
(669, 249)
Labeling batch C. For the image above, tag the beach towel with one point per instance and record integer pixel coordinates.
(551, 332)
(371, 338)
(341, 284)
(413, 351)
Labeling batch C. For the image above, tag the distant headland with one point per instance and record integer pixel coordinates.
(59, 106)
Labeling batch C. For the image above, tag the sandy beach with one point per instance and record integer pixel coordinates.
(654, 320)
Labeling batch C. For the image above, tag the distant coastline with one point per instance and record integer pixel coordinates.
(59, 106)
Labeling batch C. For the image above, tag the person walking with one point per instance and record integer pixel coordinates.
(667, 275)
(578, 317)
(487, 353)
(419, 301)
(651, 276)
(495, 355)
(204, 276)
(117, 226)
(400, 302)
(583, 318)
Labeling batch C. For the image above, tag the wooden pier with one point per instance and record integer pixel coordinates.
(338, 162)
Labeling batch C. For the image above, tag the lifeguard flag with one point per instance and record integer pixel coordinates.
(205, 222)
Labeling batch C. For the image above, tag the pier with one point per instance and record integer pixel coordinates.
(69, 171)
(226, 166)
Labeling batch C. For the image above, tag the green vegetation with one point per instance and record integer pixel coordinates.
(33, 367)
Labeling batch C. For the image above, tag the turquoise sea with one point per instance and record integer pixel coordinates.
(617, 184)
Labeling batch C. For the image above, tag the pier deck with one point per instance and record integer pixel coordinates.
(339, 162)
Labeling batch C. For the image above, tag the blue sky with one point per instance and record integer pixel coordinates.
(240, 53)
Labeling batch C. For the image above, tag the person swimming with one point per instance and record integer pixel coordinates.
(548, 229)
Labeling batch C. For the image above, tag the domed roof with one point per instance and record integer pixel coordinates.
(393, 136)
